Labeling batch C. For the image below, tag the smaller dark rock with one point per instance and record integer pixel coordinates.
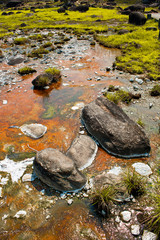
(61, 10)
(15, 60)
(151, 29)
(137, 18)
(23, 25)
(123, 31)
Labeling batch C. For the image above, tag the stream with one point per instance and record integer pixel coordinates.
(84, 77)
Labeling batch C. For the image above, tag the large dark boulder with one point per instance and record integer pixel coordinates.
(58, 171)
(137, 18)
(82, 8)
(114, 130)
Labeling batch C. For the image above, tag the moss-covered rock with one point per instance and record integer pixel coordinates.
(26, 70)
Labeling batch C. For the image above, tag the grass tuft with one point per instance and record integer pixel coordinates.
(26, 70)
(102, 199)
(134, 183)
(155, 91)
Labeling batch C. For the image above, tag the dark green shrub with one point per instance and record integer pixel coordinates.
(20, 41)
(26, 70)
(155, 91)
(38, 52)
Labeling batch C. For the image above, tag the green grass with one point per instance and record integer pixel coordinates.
(139, 50)
(21, 41)
(134, 183)
(139, 47)
(140, 122)
(102, 199)
(38, 52)
(53, 71)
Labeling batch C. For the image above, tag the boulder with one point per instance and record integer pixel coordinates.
(45, 79)
(15, 60)
(58, 171)
(137, 18)
(34, 130)
(114, 130)
(136, 7)
(83, 151)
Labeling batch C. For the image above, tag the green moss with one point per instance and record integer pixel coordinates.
(155, 91)
(53, 71)
(49, 113)
(38, 52)
(21, 156)
(47, 44)
(26, 70)
(20, 41)
(118, 96)
(140, 122)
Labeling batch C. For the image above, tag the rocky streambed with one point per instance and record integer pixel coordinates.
(29, 208)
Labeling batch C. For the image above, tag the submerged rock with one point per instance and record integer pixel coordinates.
(34, 130)
(114, 130)
(83, 151)
(58, 171)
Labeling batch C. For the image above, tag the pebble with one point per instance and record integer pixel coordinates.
(27, 177)
(131, 80)
(150, 105)
(142, 168)
(135, 87)
(70, 201)
(20, 214)
(135, 230)
(149, 236)
(117, 219)
(139, 81)
(126, 216)
(5, 102)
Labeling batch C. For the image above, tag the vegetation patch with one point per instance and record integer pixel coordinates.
(139, 50)
(102, 199)
(134, 183)
(140, 122)
(119, 95)
(38, 52)
(155, 91)
(21, 41)
(26, 70)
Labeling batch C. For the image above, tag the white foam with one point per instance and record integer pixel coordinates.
(16, 169)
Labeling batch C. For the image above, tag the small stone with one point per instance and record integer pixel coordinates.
(135, 230)
(131, 80)
(126, 216)
(5, 102)
(149, 235)
(150, 105)
(135, 87)
(142, 168)
(27, 177)
(70, 201)
(85, 195)
(108, 69)
(20, 214)
(117, 219)
(139, 81)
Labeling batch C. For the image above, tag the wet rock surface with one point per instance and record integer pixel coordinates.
(83, 151)
(34, 130)
(58, 171)
(114, 130)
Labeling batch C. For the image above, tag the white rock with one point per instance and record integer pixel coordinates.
(78, 105)
(115, 170)
(149, 235)
(34, 130)
(27, 177)
(135, 230)
(5, 216)
(70, 201)
(20, 214)
(142, 168)
(5, 102)
(126, 216)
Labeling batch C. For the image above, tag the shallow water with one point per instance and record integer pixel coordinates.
(59, 109)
